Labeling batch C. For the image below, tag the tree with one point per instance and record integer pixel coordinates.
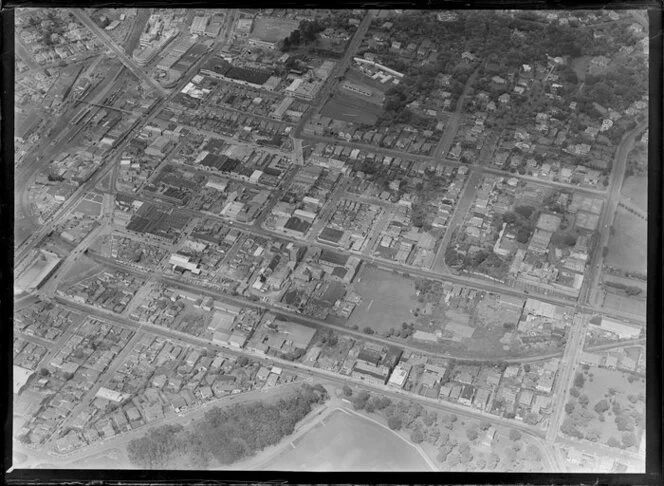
(515, 435)
(360, 399)
(628, 439)
(43, 372)
(429, 418)
(579, 380)
(574, 392)
(417, 436)
(472, 434)
(584, 400)
(347, 390)
(394, 422)
(602, 406)
(523, 234)
(613, 442)
(569, 408)
(484, 426)
(531, 419)
(624, 423)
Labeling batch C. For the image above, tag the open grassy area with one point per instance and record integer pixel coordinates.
(636, 189)
(83, 268)
(619, 397)
(273, 29)
(349, 443)
(627, 245)
(387, 300)
(351, 109)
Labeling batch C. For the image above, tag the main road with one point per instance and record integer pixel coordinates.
(606, 220)
(337, 72)
(573, 349)
(117, 50)
(307, 370)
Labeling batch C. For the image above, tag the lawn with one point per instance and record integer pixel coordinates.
(387, 300)
(351, 109)
(627, 246)
(349, 443)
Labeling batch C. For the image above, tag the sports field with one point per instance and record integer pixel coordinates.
(387, 300)
(636, 189)
(346, 442)
(351, 109)
(627, 245)
(273, 30)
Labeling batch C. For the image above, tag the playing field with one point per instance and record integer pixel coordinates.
(636, 189)
(351, 109)
(273, 30)
(344, 442)
(387, 300)
(89, 208)
(627, 246)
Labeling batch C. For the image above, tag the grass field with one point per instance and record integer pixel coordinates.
(89, 208)
(627, 246)
(636, 188)
(349, 443)
(273, 30)
(351, 109)
(599, 388)
(387, 300)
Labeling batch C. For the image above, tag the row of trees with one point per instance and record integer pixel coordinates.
(306, 33)
(225, 435)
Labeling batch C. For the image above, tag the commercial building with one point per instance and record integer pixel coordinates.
(623, 330)
(43, 266)
(375, 374)
(399, 375)
(184, 262)
(198, 25)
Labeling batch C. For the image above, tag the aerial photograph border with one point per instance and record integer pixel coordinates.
(369, 243)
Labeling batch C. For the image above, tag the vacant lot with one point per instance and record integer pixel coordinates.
(387, 300)
(627, 245)
(273, 30)
(349, 443)
(636, 189)
(82, 269)
(351, 109)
